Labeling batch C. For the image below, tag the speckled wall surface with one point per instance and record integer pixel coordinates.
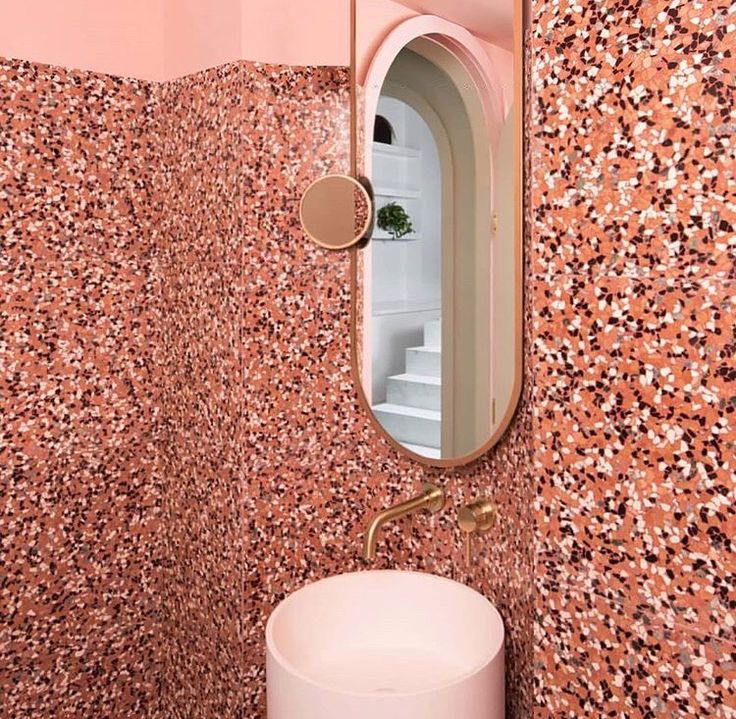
(634, 353)
(182, 442)
(129, 584)
(275, 466)
(80, 626)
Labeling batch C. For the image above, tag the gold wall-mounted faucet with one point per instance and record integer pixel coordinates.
(431, 499)
(475, 518)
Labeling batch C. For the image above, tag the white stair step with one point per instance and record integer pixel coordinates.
(414, 390)
(431, 452)
(424, 360)
(433, 334)
(410, 424)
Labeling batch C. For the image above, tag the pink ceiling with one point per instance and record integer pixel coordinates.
(491, 20)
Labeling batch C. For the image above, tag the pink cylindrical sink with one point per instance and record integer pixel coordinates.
(389, 644)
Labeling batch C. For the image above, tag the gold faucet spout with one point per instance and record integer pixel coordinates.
(431, 499)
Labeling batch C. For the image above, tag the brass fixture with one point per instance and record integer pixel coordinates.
(431, 499)
(476, 518)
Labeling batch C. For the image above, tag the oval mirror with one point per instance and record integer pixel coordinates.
(336, 211)
(438, 303)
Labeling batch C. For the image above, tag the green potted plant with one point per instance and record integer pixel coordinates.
(392, 218)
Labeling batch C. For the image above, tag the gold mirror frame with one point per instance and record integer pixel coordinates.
(520, 19)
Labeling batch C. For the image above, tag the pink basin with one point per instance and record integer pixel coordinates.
(389, 644)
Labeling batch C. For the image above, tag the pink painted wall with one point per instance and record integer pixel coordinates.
(503, 62)
(199, 34)
(292, 32)
(375, 20)
(491, 20)
(165, 39)
(121, 38)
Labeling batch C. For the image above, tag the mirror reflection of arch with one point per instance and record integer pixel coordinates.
(441, 304)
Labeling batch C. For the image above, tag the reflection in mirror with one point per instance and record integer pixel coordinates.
(439, 350)
(336, 211)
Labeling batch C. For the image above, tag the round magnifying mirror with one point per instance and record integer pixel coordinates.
(336, 211)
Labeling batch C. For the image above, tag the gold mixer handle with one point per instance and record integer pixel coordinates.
(476, 517)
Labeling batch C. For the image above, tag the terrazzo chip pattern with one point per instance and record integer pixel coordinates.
(165, 517)
(634, 117)
(80, 494)
(184, 443)
(308, 467)
(634, 254)
(599, 659)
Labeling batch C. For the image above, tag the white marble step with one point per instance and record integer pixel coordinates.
(433, 334)
(431, 452)
(414, 390)
(410, 424)
(424, 361)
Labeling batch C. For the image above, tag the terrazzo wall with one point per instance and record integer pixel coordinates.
(183, 438)
(182, 444)
(80, 495)
(634, 203)
(277, 465)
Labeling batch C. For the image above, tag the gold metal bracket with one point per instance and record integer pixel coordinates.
(475, 518)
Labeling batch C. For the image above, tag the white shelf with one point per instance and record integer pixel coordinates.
(406, 192)
(385, 237)
(396, 151)
(397, 172)
(381, 309)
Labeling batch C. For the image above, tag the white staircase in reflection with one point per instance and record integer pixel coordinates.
(412, 413)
